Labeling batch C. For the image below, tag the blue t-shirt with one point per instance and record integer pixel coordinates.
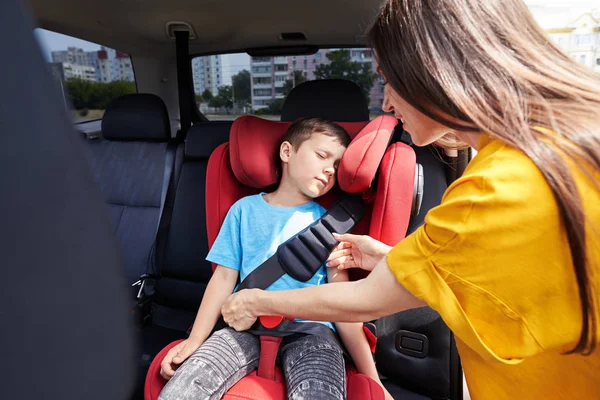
(251, 233)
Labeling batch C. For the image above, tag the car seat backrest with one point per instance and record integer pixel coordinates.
(184, 270)
(333, 99)
(128, 164)
(248, 164)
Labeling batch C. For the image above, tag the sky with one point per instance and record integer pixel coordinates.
(548, 13)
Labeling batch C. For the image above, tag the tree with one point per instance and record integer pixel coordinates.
(223, 99)
(241, 87)
(206, 96)
(297, 78)
(341, 66)
(275, 107)
(96, 95)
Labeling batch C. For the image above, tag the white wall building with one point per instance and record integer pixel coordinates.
(269, 74)
(207, 72)
(580, 39)
(84, 72)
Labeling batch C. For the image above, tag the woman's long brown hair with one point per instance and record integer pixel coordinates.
(489, 65)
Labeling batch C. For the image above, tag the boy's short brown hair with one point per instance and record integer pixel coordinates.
(302, 129)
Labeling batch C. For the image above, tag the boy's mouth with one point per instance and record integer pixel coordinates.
(323, 181)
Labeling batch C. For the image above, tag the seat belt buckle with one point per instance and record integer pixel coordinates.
(145, 281)
(272, 321)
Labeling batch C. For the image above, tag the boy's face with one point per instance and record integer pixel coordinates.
(312, 167)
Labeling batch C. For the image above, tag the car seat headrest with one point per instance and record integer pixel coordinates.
(361, 160)
(333, 99)
(254, 151)
(136, 117)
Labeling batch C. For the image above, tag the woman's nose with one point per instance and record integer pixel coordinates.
(386, 106)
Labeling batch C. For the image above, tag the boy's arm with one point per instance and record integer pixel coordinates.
(353, 336)
(219, 287)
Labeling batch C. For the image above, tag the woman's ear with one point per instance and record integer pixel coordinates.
(285, 151)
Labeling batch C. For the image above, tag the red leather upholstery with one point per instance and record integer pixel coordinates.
(154, 381)
(248, 164)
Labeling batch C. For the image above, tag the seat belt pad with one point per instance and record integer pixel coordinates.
(302, 255)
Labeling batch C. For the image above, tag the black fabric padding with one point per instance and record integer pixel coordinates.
(401, 393)
(428, 376)
(184, 270)
(137, 117)
(66, 330)
(187, 243)
(435, 185)
(333, 99)
(204, 137)
(433, 376)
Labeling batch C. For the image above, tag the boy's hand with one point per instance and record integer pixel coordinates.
(178, 355)
(357, 251)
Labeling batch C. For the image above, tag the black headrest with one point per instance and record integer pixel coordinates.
(333, 99)
(140, 116)
(204, 137)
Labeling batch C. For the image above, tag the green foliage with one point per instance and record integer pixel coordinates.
(297, 79)
(275, 107)
(241, 87)
(95, 95)
(206, 96)
(262, 111)
(341, 67)
(223, 99)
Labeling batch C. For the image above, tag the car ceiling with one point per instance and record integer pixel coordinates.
(137, 27)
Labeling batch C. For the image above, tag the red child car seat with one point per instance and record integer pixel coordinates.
(247, 164)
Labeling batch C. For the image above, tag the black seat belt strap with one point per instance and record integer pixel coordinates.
(170, 153)
(302, 255)
(183, 80)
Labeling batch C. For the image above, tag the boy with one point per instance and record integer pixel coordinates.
(254, 227)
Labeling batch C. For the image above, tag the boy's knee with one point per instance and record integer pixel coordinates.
(313, 388)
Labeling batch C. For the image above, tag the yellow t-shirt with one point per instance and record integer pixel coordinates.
(494, 261)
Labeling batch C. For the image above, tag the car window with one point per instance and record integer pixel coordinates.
(230, 85)
(88, 75)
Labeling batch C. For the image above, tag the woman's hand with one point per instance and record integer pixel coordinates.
(357, 251)
(237, 310)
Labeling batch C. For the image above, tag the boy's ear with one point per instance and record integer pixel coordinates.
(285, 151)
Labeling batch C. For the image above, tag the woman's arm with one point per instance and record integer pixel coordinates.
(377, 295)
(354, 338)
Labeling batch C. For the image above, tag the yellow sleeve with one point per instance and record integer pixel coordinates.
(467, 263)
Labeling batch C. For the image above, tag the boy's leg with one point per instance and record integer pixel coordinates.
(222, 360)
(314, 368)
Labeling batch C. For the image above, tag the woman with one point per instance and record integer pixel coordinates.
(510, 257)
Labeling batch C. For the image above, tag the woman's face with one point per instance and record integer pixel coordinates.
(423, 130)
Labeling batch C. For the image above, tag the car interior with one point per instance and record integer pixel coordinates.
(157, 165)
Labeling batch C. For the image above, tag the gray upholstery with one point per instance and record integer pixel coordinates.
(130, 175)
